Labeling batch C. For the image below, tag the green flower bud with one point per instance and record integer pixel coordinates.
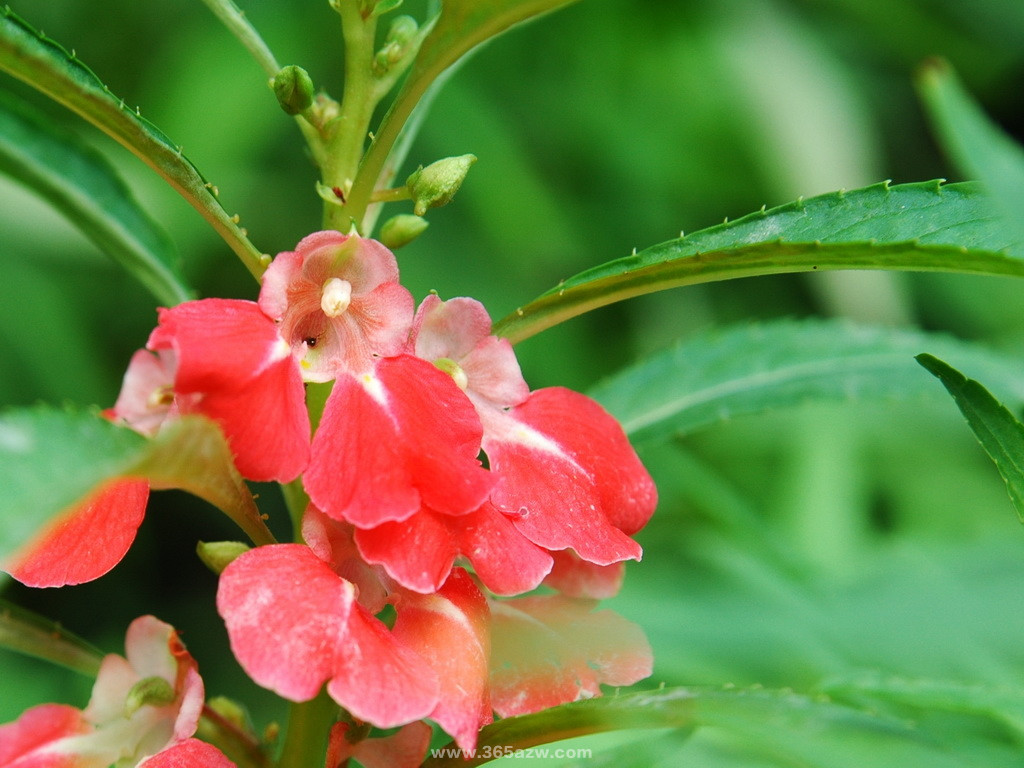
(437, 184)
(218, 555)
(294, 89)
(154, 691)
(401, 230)
(402, 30)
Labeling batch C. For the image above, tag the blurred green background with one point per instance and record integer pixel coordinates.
(789, 548)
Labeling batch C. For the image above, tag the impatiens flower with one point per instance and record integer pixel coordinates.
(86, 541)
(230, 364)
(294, 624)
(339, 303)
(141, 705)
(567, 478)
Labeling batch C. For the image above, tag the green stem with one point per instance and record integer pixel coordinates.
(349, 130)
(391, 195)
(309, 725)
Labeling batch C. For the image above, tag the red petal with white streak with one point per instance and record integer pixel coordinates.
(86, 541)
(594, 439)
(451, 630)
(286, 613)
(391, 442)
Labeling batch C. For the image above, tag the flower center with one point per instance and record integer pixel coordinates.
(335, 296)
(454, 370)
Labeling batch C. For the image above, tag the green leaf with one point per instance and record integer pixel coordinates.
(998, 430)
(975, 143)
(799, 729)
(56, 72)
(32, 635)
(1004, 703)
(52, 459)
(925, 226)
(746, 369)
(82, 185)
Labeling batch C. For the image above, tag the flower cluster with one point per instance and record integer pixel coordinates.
(438, 485)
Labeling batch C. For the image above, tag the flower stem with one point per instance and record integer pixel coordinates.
(234, 19)
(309, 725)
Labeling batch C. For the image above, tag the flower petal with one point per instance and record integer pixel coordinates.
(405, 748)
(451, 630)
(285, 612)
(28, 741)
(551, 650)
(574, 577)
(190, 753)
(418, 552)
(86, 541)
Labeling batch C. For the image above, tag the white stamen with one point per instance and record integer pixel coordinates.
(335, 296)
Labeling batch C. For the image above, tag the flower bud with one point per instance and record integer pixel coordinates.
(402, 30)
(218, 555)
(294, 89)
(437, 184)
(401, 230)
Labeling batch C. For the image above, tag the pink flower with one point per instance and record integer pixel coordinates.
(141, 705)
(567, 478)
(339, 303)
(294, 624)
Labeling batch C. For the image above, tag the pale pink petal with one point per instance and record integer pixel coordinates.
(574, 577)
(405, 748)
(31, 740)
(86, 541)
(551, 650)
(190, 753)
(504, 560)
(451, 630)
(286, 612)
(418, 552)
(460, 330)
(377, 678)
(147, 391)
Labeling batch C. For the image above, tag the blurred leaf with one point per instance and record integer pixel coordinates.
(80, 183)
(52, 459)
(998, 431)
(1003, 703)
(925, 226)
(461, 26)
(25, 632)
(746, 369)
(975, 143)
(51, 69)
(799, 729)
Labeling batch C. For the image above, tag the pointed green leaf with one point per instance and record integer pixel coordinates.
(747, 369)
(56, 72)
(799, 729)
(32, 635)
(998, 430)
(82, 185)
(926, 227)
(976, 144)
(51, 459)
